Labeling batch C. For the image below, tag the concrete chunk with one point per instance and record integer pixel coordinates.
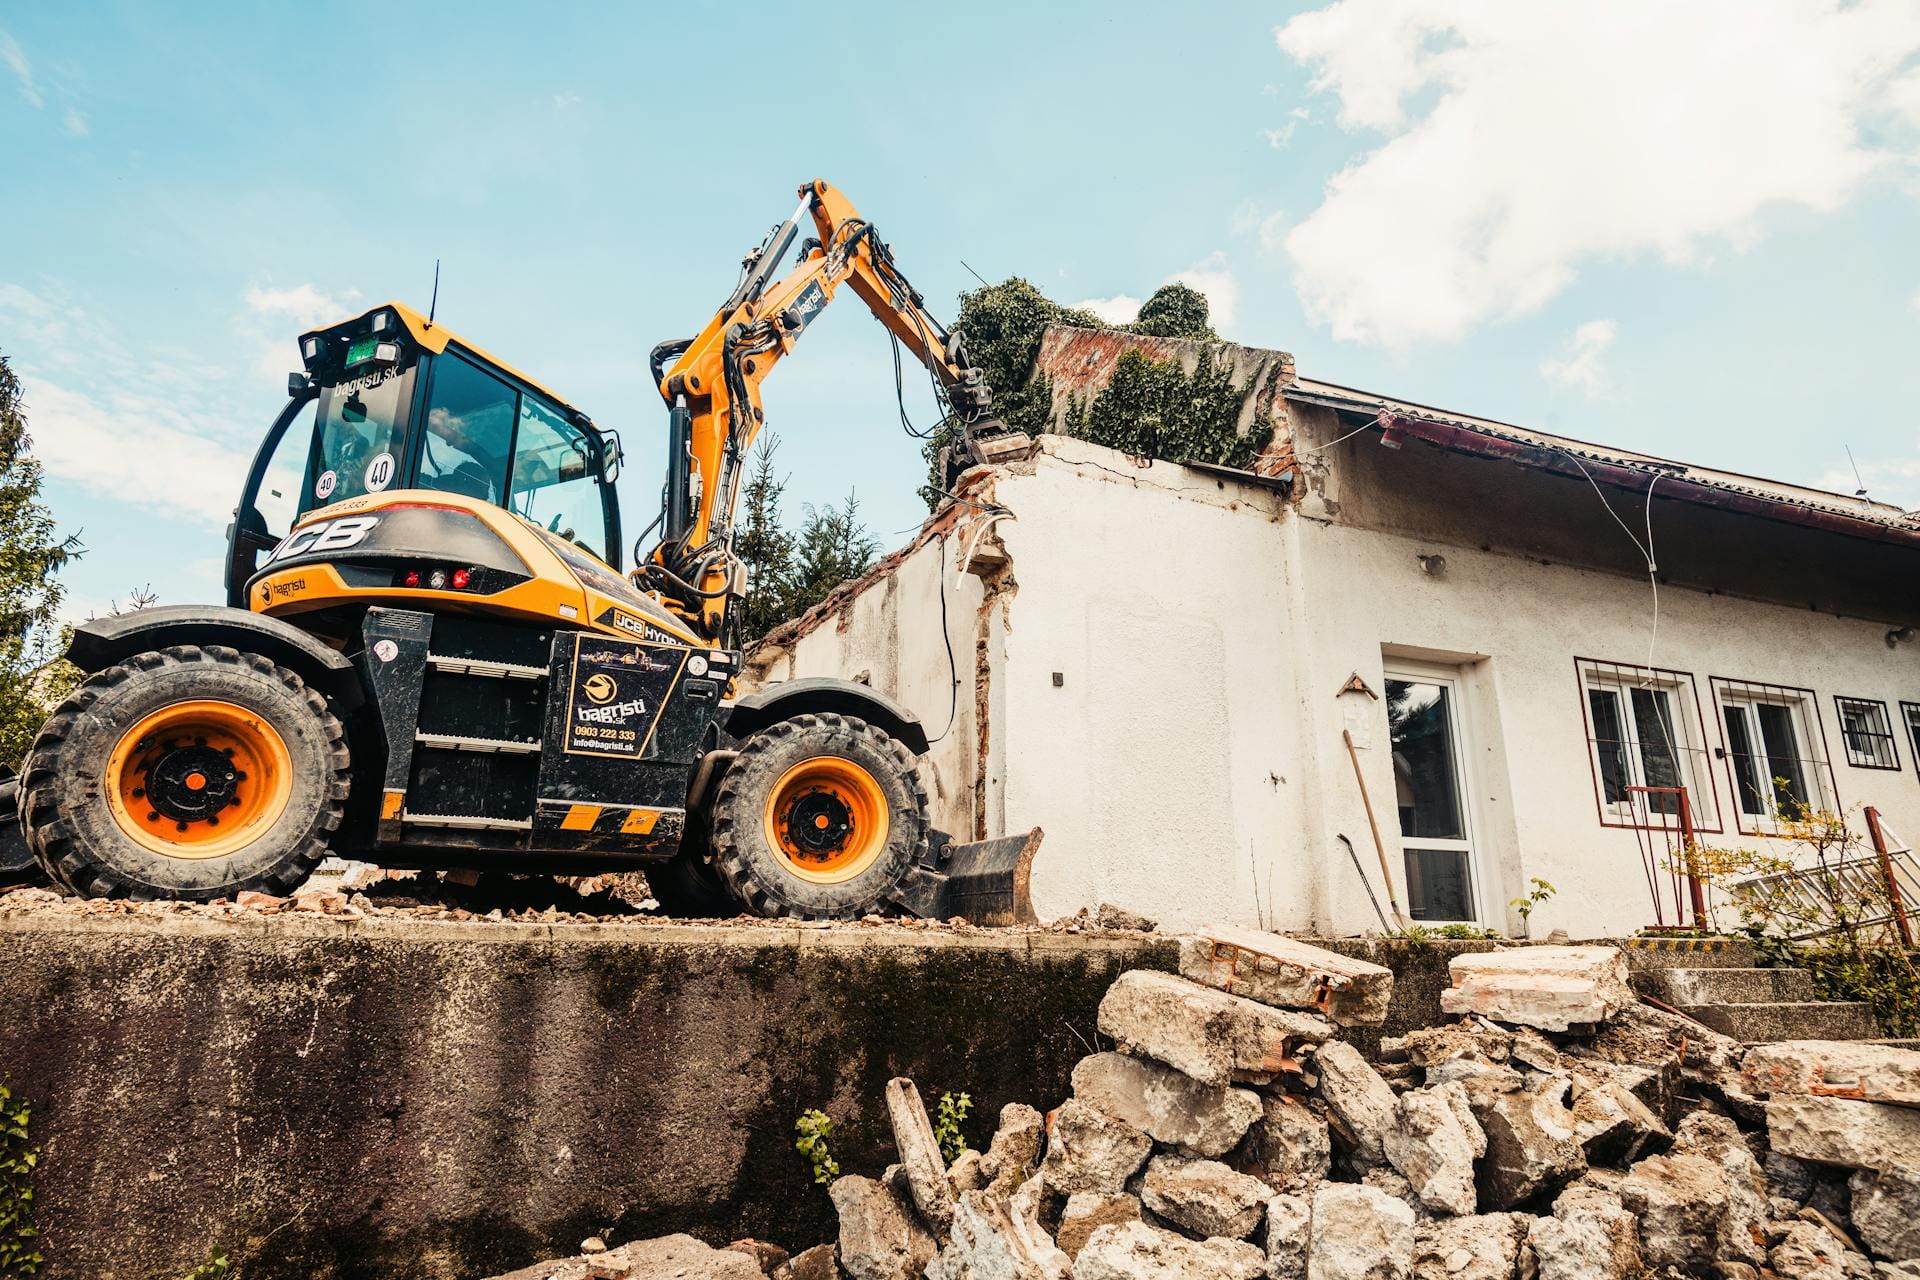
(677, 1255)
(1015, 1149)
(1681, 1202)
(1214, 1037)
(1854, 1135)
(1886, 1210)
(1359, 1233)
(1136, 1251)
(1716, 1138)
(920, 1159)
(1288, 974)
(880, 1239)
(1834, 1069)
(994, 1241)
(1204, 1196)
(1610, 1122)
(1288, 1231)
(1590, 1236)
(1196, 1119)
(1290, 1147)
(1433, 1143)
(1552, 988)
(1088, 1211)
(1360, 1104)
(1089, 1150)
(1485, 1246)
(1531, 1149)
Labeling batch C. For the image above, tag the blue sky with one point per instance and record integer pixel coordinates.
(1684, 229)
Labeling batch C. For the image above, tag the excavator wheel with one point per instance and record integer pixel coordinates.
(191, 773)
(819, 817)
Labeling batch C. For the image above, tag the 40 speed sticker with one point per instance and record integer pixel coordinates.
(615, 694)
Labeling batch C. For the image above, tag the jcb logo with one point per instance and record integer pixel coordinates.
(328, 535)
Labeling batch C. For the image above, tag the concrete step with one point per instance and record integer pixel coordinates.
(1688, 953)
(1757, 1023)
(1726, 986)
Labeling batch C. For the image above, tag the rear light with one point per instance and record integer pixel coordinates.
(437, 580)
(440, 577)
(460, 579)
(411, 578)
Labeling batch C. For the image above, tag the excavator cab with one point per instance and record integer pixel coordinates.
(390, 401)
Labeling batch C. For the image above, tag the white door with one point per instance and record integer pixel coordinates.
(1425, 721)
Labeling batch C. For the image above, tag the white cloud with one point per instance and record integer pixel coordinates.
(1211, 277)
(14, 59)
(76, 122)
(561, 101)
(1582, 364)
(276, 317)
(1524, 139)
(133, 448)
(1279, 138)
(1916, 300)
(1121, 308)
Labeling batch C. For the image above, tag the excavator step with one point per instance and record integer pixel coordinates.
(484, 668)
(468, 821)
(495, 746)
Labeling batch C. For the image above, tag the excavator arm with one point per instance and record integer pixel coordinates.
(712, 388)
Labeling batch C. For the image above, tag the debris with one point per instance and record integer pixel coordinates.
(1204, 1196)
(1136, 1251)
(1015, 1149)
(1434, 1141)
(1089, 1150)
(1193, 1118)
(1886, 1209)
(1288, 974)
(1108, 916)
(964, 1173)
(1360, 1105)
(1834, 1069)
(1808, 1252)
(1610, 1123)
(1289, 1144)
(1681, 1202)
(817, 1263)
(920, 1159)
(880, 1239)
(593, 1244)
(1214, 1037)
(993, 1241)
(1858, 1135)
(1484, 1246)
(1359, 1233)
(680, 1256)
(1531, 1149)
(1288, 1231)
(1590, 1236)
(1716, 1138)
(1552, 988)
(1086, 1212)
(769, 1257)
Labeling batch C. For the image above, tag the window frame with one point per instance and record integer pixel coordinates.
(1910, 717)
(1683, 683)
(1824, 792)
(1465, 782)
(1840, 707)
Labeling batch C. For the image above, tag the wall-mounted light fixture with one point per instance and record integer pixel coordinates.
(1434, 566)
(1898, 634)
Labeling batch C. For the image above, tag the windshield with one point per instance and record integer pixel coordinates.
(355, 437)
(556, 483)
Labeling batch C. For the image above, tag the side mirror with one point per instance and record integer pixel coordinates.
(298, 384)
(611, 456)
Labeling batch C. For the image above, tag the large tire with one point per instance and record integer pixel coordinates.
(819, 817)
(17, 864)
(192, 773)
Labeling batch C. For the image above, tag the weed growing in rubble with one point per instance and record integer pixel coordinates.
(18, 1257)
(814, 1128)
(954, 1109)
(1540, 893)
(216, 1267)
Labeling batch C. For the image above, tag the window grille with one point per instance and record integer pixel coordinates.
(1910, 712)
(1646, 740)
(1867, 733)
(1776, 753)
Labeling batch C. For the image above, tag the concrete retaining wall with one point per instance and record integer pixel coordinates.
(419, 1099)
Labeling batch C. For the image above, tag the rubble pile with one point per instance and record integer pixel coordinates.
(1559, 1129)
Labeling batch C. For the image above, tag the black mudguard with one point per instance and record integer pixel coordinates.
(824, 694)
(102, 642)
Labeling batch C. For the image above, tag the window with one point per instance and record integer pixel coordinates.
(1646, 738)
(1910, 712)
(1867, 733)
(1776, 752)
(469, 433)
(555, 482)
(353, 437)
(1423, 722)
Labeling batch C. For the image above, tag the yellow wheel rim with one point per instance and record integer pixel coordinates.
(198, 779)
(826, 820)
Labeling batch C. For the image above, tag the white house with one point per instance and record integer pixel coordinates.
(1161, 665)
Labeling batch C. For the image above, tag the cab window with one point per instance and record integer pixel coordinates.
(555, 482)
(469, 431)
(354, 436)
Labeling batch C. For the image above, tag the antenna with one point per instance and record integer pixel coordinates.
(1861, 492)
(435, 304)
(975, 274)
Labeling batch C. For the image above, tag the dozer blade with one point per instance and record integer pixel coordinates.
(985, 883)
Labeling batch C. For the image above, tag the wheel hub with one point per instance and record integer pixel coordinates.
(818, 823)
(191, 782)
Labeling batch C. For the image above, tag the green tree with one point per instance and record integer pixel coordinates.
(833, 546)
(1175, 311)
(32, 554)
(765, 545)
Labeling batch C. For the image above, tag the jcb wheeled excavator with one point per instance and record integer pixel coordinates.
(436, 661)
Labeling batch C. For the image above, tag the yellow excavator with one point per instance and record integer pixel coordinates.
(431, 657)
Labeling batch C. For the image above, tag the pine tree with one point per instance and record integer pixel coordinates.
(765, 546)
(833, 547)
(31, 555)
